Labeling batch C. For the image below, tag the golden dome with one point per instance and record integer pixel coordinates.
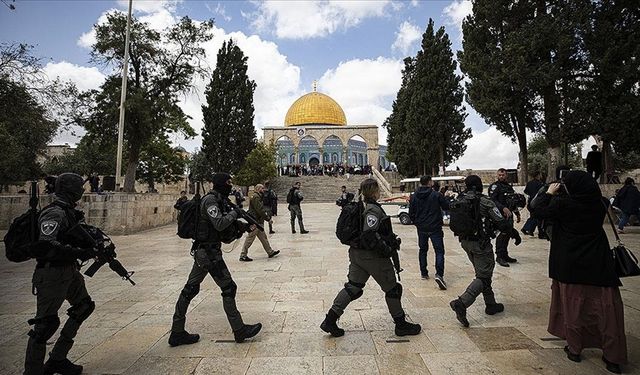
(315, 108)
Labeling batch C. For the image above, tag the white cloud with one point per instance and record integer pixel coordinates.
(406, 36)
(457, 11)
(219, 10)
(365, 89)
(277, 82)
(150, 6)
(88, 39)
(311, 19)
(488, 149)
(85, 78)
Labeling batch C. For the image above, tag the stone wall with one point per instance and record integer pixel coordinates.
(114, 213)
(162, 188)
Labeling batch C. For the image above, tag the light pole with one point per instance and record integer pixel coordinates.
(123, 96)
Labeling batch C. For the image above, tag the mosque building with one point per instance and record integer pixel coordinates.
(316, 132)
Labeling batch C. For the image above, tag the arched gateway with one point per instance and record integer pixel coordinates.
(315, 131)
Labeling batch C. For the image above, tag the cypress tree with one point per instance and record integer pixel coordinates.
(228, 134)
(435, 115)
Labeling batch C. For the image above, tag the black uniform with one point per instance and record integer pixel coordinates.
(371, 258)
(269, 202)
(216, 218)
(498, 192)
(478, 249)
(57, 278)
(217, 223)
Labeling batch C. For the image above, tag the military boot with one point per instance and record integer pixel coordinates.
(293, 228)
(64, 367)
(247, 331)
(329, 324)
(461, 311)
(404, 328)
(183, 338)
(494, 308)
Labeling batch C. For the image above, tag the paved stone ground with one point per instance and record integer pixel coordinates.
(289, 294)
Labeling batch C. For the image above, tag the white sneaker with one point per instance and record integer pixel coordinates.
(440, 281)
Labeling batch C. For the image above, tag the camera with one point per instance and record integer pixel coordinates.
(515, 200)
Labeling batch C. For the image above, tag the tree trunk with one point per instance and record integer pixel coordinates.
(130, 177)
(555, 158)
(607, 159)
(444, 171)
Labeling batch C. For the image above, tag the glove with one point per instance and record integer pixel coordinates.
(516, 236)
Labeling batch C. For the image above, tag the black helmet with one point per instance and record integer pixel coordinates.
(474, 183)
(69, 187)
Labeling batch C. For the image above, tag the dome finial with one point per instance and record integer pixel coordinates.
(315, 85)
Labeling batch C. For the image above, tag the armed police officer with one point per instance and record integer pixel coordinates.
(370, 256)
(218, 222)
(294, 198)
(474, 218)
(499, 193)
(57, 278)
(270, 202)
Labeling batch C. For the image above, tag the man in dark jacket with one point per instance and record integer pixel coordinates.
(182, 200)
(530, 191)
(269, 199)
(628, 201)
(498, 192)
(425, 211)
(594, 162)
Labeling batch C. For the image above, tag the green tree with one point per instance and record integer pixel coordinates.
(161, 67)
(25, 130)
(426, 126)
(159, 162)
(400, 146)
(491, 63)
(228, 134)
(199, 167)
(612, 98)
(435, 115)
(259, 166)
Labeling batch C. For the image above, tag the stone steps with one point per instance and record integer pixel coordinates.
(316, 188)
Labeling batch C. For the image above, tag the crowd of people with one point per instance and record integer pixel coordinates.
(297, 170)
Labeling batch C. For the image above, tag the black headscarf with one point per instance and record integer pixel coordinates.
(220, 183)
(582, 187)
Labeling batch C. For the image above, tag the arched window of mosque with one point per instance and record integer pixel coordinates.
(303, 158)
(292, 159)
(334, 157)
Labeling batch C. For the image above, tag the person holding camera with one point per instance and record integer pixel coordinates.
(218, 222)
(371, 257)
(345, 197)
(499, 192)
(586, 306)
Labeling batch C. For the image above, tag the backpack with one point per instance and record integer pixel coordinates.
(349, 223)
(465, 216)
(23, 231)
(189, 216)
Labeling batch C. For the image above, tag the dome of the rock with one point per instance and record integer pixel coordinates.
(315, 108)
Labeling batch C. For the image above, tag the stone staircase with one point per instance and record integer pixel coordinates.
(316, 188)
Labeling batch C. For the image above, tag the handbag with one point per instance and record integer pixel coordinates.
(625, 262)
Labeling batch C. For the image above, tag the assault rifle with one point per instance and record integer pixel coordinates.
(89, 237)
(245, 215)
(395, 259)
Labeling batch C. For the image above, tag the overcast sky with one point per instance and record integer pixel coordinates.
(354, 49)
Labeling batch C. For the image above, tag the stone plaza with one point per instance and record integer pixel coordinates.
(289, 294)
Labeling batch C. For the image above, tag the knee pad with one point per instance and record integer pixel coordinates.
(353, 289)
(230, 290)
(81, 311)
(44, 328)
(190, 291)
(395, 292)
